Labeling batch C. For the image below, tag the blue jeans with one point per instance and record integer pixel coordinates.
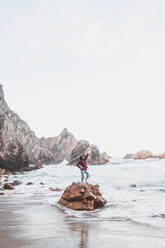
(82, 175)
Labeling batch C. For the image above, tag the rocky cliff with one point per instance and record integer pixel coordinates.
(13, 130)
(60, 146)
(19, 145)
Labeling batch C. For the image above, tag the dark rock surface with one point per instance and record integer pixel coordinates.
(29, 183)
(8, 186)
(16, 183)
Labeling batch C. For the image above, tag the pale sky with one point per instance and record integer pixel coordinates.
(94, 67)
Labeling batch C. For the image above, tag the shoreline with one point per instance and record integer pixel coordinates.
(27, 222)
(31, 217)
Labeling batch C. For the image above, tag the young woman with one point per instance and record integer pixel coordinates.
(82, 164)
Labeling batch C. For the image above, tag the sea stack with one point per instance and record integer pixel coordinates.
(94, 158)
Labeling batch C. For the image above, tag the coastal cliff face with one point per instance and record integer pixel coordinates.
(61, 146)
(19, 145)
(16, 132)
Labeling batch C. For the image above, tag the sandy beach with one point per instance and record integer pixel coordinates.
(30, 216)
(27, 222)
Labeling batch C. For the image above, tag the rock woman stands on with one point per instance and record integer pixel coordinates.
(82, 164)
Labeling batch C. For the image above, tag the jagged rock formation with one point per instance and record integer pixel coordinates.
(8, 186)
(19, 145)
(95, 156)
(82, 197)
(61, 146)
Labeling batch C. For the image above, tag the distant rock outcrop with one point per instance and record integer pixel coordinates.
(82, 197)
(95, 156)
(130, 156)
(19, 146)
(161, 156)
(144, 154)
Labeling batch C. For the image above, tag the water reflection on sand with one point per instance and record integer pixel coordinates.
(27, 222)
(83, 229)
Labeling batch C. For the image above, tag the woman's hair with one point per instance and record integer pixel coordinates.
(81, 157)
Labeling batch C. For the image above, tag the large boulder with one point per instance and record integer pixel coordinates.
(8, 186)
(144, 154)
(82, 197)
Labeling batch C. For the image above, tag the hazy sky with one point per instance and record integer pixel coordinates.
(96, 67)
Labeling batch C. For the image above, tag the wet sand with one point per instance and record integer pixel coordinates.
(27, 222)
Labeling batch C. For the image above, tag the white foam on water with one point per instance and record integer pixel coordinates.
(135, 190)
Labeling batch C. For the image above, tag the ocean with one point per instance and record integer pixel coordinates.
(134, 215)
